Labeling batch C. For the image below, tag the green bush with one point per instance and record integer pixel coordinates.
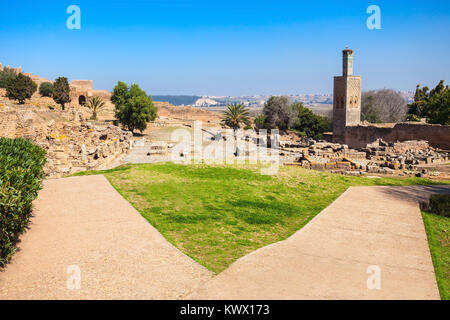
(440, 204)
(259, 122)
(21, 175)
(46, 89)
(310, 124)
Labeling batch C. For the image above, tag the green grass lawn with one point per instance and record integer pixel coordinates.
(438, 232)
(217, 214)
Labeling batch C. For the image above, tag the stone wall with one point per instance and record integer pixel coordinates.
(82, 84)
(359, 136)
(72, 144)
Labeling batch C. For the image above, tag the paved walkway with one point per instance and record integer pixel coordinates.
(84, 222)
(329, 257)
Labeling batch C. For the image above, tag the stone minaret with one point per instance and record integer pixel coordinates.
(346, 98)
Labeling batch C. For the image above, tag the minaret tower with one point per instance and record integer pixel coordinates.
(346, 98)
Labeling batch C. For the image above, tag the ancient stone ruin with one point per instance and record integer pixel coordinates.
(347, 126)
(360, 148)
(72, 144)
(402, 158)
(80, 90)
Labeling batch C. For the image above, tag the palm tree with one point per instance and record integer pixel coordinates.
(235, 116)
(96, 104)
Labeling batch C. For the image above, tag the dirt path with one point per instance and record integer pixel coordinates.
(83, 222)
(329, 258)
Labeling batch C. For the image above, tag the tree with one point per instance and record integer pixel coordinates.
(133, 107)
(96, 104)
(61, 91)
(5, 75)
(438, 108)
(20, 88)
(46, 89)
(384, 105)
(119, 94)
(416, 109)
(432, 105)
(369, 113)
(278, 113)
(310, 124)
(234, 116)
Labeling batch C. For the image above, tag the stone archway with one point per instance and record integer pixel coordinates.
(82, 100)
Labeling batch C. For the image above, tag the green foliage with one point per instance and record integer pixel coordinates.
(310, 124)
(20, 88)
(439, 204)
(61, 91)
(438, 108)
(279, 113)
(96, 104)
(21, 175)
(438, 235)
(236, 115)
(433, 105)
(259, 122)
(5, 76)
(46, 89)
(133, 107)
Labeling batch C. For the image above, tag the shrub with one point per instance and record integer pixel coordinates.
(46, 89)
(20, 88)
(310, 124)
(259, 122)
(438, 204)
(21, 175)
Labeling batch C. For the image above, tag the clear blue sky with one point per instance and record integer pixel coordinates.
(229, 47)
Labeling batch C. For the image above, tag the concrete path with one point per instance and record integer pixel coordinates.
(329, 258)
(83, 222)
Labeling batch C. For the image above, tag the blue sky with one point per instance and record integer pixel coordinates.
(229, 47)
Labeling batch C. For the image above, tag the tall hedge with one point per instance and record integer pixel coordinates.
(21, 175)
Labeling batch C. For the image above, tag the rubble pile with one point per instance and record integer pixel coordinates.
(72, 144)
(404, 155)
(377, 157)
(72, 148)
